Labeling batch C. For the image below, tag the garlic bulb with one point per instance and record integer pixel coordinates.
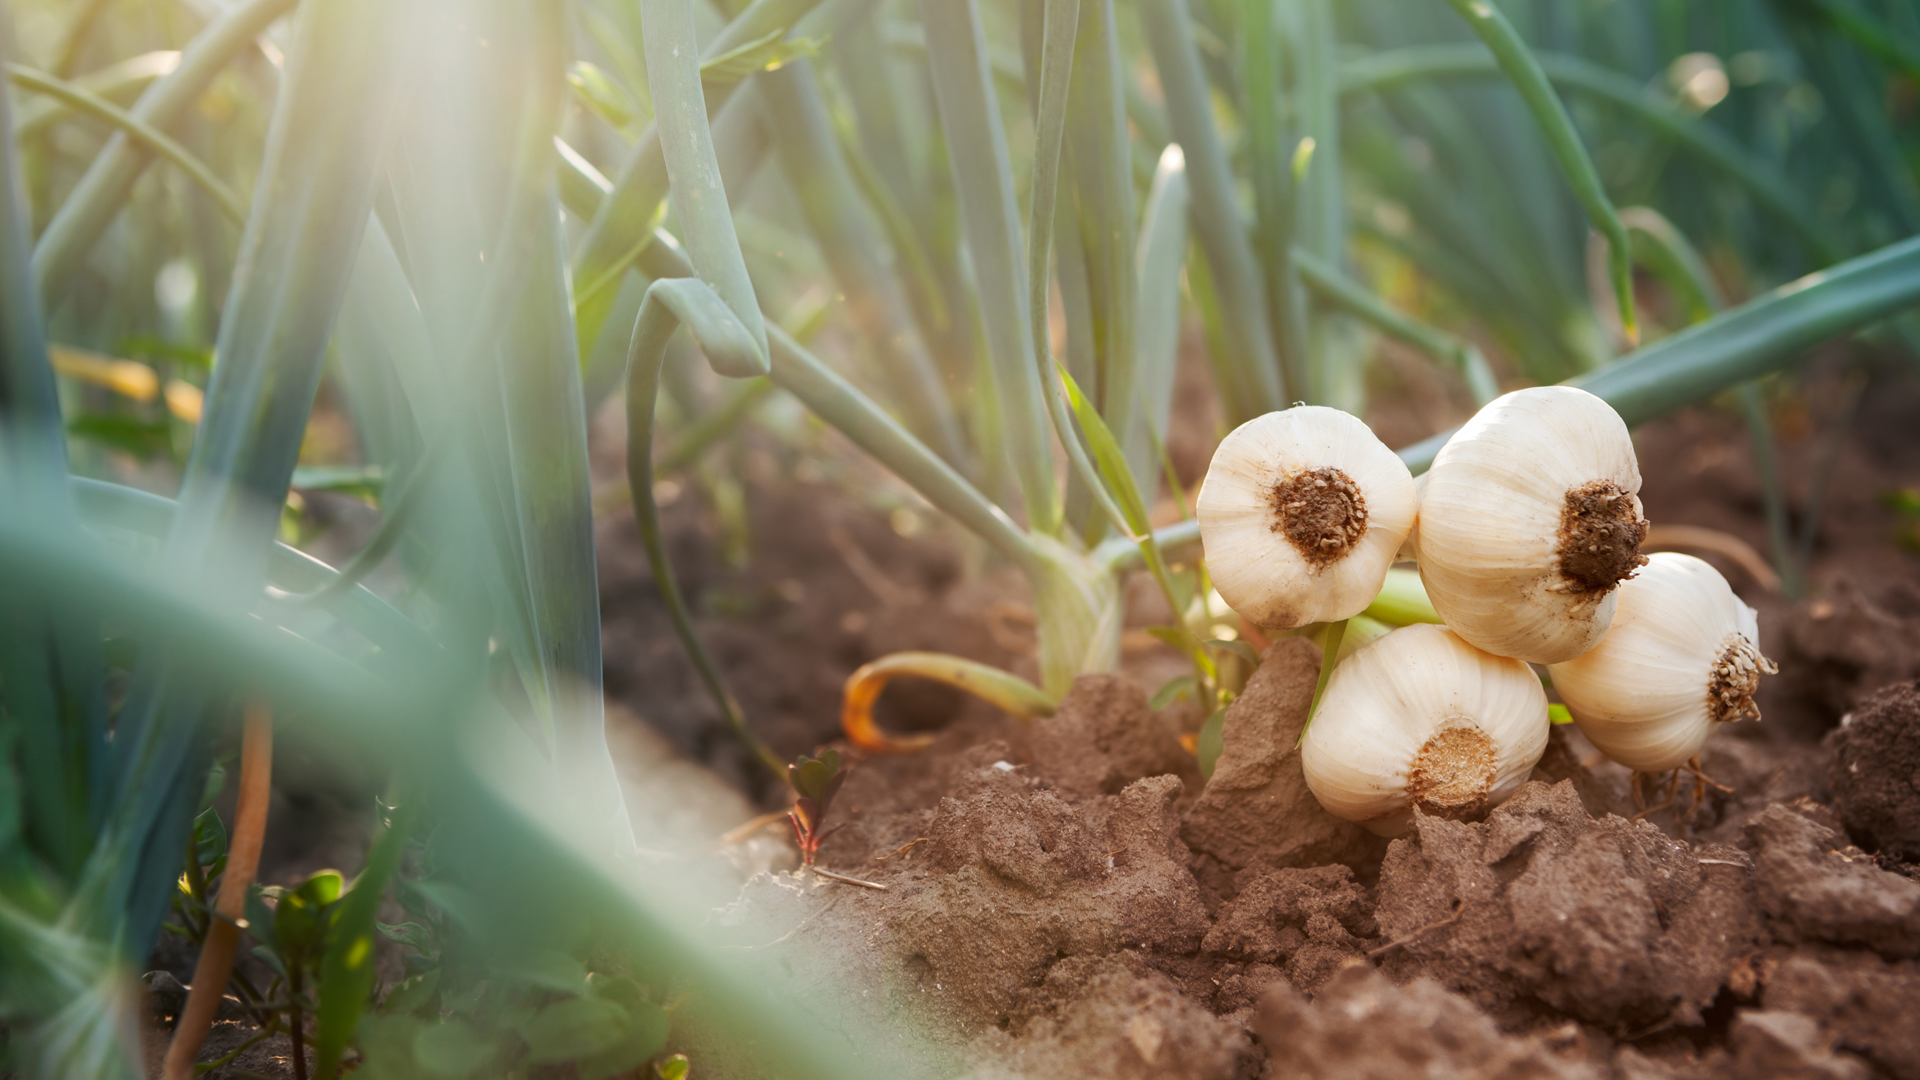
(1683, 656)
(1528, 519)
(1301, 514)
(1421, 718)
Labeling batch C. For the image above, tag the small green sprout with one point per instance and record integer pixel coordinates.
(816, 780)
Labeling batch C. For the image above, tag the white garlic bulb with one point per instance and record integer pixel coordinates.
(1421, 718)
(1301, 513)
(1682, 657)
(1529, 518)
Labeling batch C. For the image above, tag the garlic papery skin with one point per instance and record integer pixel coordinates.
(1529, 518)
(1421, 718)
(1301, 513)
(1683, 657)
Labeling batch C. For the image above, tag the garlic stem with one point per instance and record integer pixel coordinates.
(1006, 691)
(1329, 658)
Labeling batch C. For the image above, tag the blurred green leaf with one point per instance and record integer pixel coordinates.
(407, 933)
(1174, 689)
(144, 439)
(1235, 648)
(153, 347)
(412, 994)
(768, 53)
(673, 1067)
(646, 1035)
(366, 480)
(574, 1029)
(1558, 714)
(1211, 742)
(602, 93)
(452, 1050)
(547, 969)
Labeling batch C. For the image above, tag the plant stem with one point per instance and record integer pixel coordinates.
(1329, 656)
(1010, 693)
(210, 974)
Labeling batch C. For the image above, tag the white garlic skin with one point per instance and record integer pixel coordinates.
(1257, 569)
(1644, 696)
(1491, 514)
(1393, 708)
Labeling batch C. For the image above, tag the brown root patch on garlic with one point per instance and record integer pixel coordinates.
(1322, 512)
(1453, 772)
(1734, 679)
(1600, 534)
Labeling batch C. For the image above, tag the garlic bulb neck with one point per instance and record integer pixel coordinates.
(1454, 771)
(1600, 534)
(1321, 512)
(1734, 679)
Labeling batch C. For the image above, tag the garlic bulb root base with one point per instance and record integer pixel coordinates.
(1734, 679)
(1600, 534)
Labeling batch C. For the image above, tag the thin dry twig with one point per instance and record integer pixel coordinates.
(903, 849)
(1375, 954)
(831, 876)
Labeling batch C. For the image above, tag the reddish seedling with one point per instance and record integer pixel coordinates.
(815, 780)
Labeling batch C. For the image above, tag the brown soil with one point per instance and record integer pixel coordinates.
(1876, 771)
(1067, 898)
(1600, 534)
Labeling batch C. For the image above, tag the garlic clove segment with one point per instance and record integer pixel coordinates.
(1301, 513)
(1421, 718)
(1683, 656)
(1529, 518)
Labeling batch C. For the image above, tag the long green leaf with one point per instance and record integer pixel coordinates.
(680, 110)
(155, 140)
(983, 177)
(296, 256)
(1163, 252)
(1259, 386)
(99, 194)
(855, 249)
(1766, 333)
(1761, 180)
(1518, 61)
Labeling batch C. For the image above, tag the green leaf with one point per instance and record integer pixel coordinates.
(602, 93)
(1235, 648)
(576, 1028)
(299, 922)
(152, 347)
(1211, 742)
(366, 480)
(452, 1050)
(1181, 686)
(673, 1067)
(1108, 456)
(811, 776)
(647, 1025)
(1557, 713)
(144, 439)
(768, 53)
(209, 837)
(547, 969)
(413, 994)
(407, 933)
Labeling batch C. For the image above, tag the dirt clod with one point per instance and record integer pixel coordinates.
(1105, 737)
(1256, 810)
(1815, 888)
(1788, 1046)
(1608, 921)
(1876, 771)
(1863, 1003)
(1600, 533)
(1361, 1027)
(1322, 512)
(1314, 921)
(1103, 1020)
